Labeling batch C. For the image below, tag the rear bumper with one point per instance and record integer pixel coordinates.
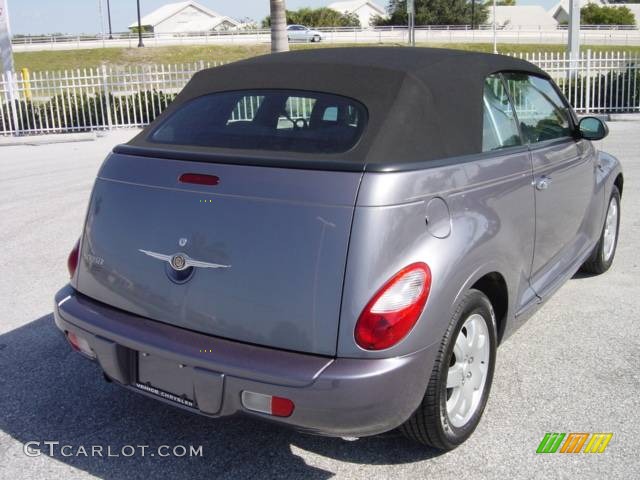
(335, 397)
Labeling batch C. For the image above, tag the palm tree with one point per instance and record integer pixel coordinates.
(279, 41)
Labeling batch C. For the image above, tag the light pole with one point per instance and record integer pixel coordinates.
(140, 44)
(473, 14)
(109, 19)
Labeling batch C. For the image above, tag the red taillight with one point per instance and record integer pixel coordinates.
(199, 179)
(395, 309)
(72, 261)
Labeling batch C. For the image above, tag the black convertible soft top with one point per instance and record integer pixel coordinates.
(423, 103)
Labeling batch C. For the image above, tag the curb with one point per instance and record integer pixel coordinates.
(624, 117)
(34, 140)
(613, 117)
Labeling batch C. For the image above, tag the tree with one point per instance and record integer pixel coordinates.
(502, 3)
(436, 12)
(279, 41)
(593, 14)
(145, 29)
(318, 17)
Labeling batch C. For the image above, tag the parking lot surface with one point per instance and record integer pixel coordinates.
(574, 367)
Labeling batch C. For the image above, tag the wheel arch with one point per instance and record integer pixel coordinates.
(493, 280)
(619, 183)
(494, 286)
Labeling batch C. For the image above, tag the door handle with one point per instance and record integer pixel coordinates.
(543, 183)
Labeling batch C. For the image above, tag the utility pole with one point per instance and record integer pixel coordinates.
(495, 39)
(101, 17)
(279, 40)
(6, 49)
(6, 52)
(574, 35)
(109, 19)
(140, 44)
(411, 13)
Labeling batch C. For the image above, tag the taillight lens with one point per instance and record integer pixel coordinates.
(259, 402)
(81, 345)
(395, 309)
(72, 261)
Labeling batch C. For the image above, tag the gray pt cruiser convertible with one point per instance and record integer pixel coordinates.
(338, 240)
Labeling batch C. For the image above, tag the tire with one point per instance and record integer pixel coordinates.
(431, 424)
(316, 38)
(604, 252)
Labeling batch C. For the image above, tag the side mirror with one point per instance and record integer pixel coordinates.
(593, 128)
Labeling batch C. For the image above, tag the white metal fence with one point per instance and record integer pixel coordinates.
(596, 82)
(18, 40)
(89, 99)
(589, 35)
(109, 97)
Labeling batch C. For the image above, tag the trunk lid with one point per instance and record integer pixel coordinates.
(269, 247)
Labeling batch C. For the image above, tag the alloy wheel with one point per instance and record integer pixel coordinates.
(468, 367)
(610, 230)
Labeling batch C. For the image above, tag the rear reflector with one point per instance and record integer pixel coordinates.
(281, 407)
(276, 406)
(199, 179)
(79, 344)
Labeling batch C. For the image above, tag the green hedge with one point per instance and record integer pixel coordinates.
(613, 91)
(70, 111)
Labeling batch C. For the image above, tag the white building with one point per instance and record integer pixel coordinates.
(522, 16)
(365, 10)
(184, 17)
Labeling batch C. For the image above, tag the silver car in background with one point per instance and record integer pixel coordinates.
(300, 33)
(339, 239)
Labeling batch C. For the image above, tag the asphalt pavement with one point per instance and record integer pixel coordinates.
(574, 367)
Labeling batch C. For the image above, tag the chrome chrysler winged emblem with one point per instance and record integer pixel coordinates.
(181, 261)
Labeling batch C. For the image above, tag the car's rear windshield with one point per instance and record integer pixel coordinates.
(280, 120)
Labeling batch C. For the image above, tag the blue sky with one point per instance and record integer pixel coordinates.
(76, 16)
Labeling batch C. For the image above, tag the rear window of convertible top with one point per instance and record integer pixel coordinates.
(274, 120)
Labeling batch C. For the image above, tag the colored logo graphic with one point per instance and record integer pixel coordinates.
(597, 442)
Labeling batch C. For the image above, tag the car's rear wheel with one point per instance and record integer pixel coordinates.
(461, 378)
(316, 38)
(605, 250)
